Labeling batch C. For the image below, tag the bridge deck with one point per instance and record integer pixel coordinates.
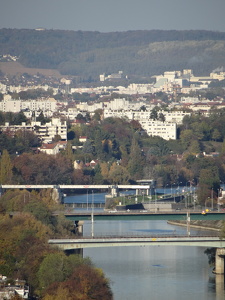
(73, 186)
(90, 242)
(144, 216)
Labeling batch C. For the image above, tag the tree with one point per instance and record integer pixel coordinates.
(43, 169)
(39, 210)
(186, 137)
(154, 114)
(88, 147)
(118, 174)
(54, 268)
(5, 168)
(97, 114)
(57, 267)
(98, 178)
(85, 283)
(216, 135)
(19, 118)
(208, 181)
(104, 170)
(136, 161)
(223, 148)
(69, 152)
(195, 147)
(41, 118)
(161, 117)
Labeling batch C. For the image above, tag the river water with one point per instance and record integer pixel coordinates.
(153, 272)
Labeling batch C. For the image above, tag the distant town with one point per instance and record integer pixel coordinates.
(159, 107)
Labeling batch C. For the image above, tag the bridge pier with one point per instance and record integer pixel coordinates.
(57, 195)
(114, 191)
(79, 227)
(219, 261)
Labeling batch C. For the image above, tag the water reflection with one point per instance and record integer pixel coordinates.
(154, 272)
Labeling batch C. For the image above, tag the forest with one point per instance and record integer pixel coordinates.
(139, 54)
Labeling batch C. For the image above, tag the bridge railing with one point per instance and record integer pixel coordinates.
(130, 235)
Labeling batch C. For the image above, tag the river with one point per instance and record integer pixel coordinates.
(153, 272)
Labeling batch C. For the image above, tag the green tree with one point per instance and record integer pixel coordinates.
(154, 114)
(97, 114)
(41, 118)
(88, 147)
(57, 267)
(161, 117)
(69, 152)
(5, 168)
(195, 147)
(216, 135)
(136, 161)
(186, 137)
(208, 181)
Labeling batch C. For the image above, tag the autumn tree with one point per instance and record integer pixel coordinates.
(118, 174)
(85, 283)
(13, 232)
(42, 169)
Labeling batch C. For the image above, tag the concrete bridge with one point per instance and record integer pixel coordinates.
(58, 188)
(200, 241)
(134, 216)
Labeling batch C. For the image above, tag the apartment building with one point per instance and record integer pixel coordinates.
(15, 106)
(165, 130)
(45, 132)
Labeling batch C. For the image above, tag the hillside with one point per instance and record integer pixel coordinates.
(13, 68)
(136, 53)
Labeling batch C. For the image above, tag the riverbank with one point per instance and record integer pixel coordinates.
(202, 225)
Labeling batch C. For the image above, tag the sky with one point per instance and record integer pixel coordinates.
(114, 15)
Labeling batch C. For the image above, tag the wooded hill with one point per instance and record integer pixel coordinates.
(136, 53)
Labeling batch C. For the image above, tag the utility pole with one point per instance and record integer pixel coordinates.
(212, 198)
(92, 216)
(188, 223)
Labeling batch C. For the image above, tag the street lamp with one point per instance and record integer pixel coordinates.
(172, 194)
(92, 216)
(212, 198)
(178, 189)
(87, 199)
(218, 205)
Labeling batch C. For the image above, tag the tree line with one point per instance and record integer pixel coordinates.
(140, 53)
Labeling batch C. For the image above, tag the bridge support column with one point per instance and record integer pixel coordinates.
(79, 227)
(219, 263)
(219, 286)
(114, 191)
(57, 195)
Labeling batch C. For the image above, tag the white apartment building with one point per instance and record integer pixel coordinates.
(165, 130)
(45, 132)
(217, 75)
(15, 106)
(175, 116)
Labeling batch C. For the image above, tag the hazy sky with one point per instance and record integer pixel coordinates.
(114, 15)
